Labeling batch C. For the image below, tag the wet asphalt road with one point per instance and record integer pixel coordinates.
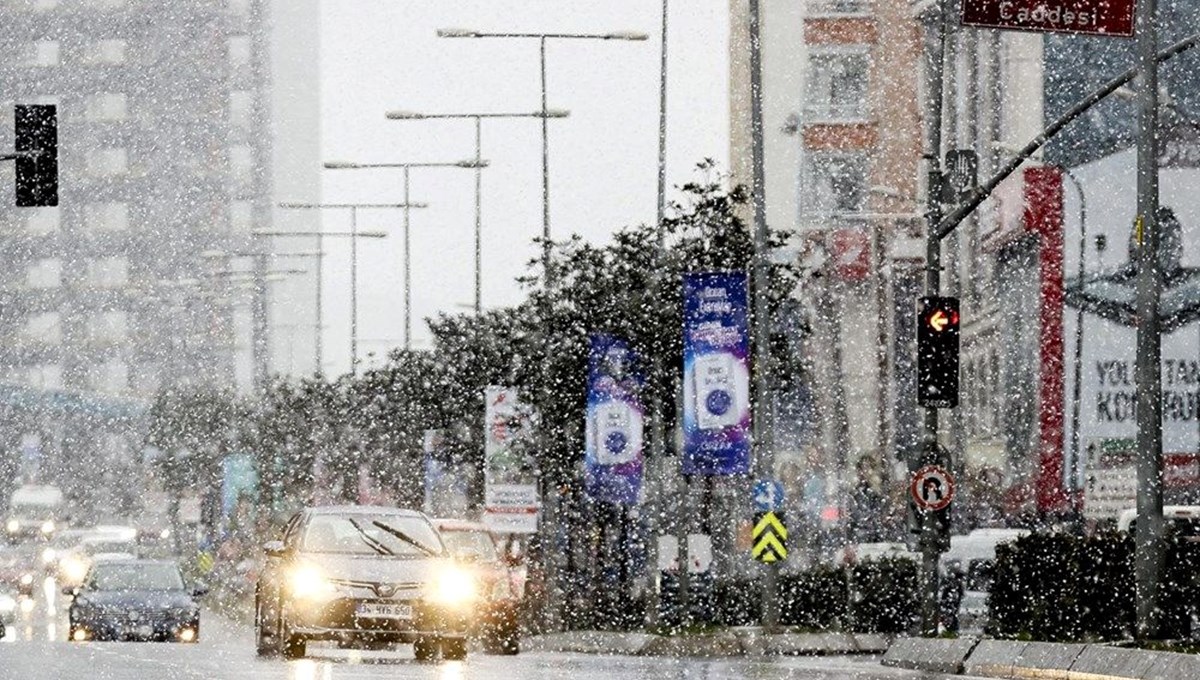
(36, 648)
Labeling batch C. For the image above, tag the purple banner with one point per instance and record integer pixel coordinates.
(613, 452)
(716, 374)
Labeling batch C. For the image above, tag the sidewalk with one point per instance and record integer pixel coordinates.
(733, 642)
(1014, 659)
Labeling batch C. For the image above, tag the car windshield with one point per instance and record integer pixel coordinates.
(98, 547)
(135, 577)
(477, 545)
(371, 534)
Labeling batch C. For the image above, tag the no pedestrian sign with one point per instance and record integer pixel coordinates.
(932, 488)
(1095, 17)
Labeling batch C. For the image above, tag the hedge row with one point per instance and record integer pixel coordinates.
(1059, 587)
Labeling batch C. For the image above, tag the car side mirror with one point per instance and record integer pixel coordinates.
(199, 591)
(274, 548)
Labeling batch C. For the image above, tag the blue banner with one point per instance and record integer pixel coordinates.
(613, 453)
(716, 374)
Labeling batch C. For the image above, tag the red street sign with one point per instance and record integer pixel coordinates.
(932, 488)
(1097, 17)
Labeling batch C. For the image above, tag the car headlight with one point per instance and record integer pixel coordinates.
(307, 583)
(7, 604)
(74, 568)
(13, 526)
(49, 555)
(47, 527)
(26, 579)
(454, 587)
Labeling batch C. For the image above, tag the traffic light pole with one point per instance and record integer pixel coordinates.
(929, 540)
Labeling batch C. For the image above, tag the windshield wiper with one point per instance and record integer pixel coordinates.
(370, 540)
(407, 539)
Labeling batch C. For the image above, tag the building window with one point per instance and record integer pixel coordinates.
(241, 216)
(42, 221)
(106, 216)
(241, 162)
(105, 52)
(108, 272)
(46, 327)
(107, 106)
(834, 183)
(108, 162)
(239, 50)
(241, 109)
(46, 273)
(110, 376)
(107, 327)
(837, 84)
(46, 376)
(42, 53)
(827, 7)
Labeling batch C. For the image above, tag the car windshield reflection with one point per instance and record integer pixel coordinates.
(389, 536)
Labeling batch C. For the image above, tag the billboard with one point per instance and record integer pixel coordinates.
(510, 491)
(716, 374)
(615, 419)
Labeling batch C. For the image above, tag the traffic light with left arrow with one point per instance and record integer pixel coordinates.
(937, 352)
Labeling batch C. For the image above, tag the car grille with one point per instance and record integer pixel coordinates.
(369, 590)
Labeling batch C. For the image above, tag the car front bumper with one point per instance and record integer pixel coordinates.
(142, 626)
(341, 619)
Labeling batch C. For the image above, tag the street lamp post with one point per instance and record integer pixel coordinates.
(260, 276)
(550, 520)
(542, 38)
(354, 234)
(477, 164)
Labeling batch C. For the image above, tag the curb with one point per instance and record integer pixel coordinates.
(934, 655)
(732, 643)
(1016, 660)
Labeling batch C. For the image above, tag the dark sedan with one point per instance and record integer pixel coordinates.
(363, 576)
(134, 600)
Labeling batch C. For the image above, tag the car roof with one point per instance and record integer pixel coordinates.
(362, 510)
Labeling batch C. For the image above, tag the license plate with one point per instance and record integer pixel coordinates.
(139, 631)
(385, 611)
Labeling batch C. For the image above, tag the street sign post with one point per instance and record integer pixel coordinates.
(1095, 17)
(769, 538)
(768, 495)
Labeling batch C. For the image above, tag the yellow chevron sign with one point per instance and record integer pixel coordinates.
(769, 539)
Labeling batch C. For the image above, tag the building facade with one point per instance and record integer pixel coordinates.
(165, 157)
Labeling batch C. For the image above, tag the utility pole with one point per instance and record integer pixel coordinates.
(1150, 549)
(762, 424)
(655, 466)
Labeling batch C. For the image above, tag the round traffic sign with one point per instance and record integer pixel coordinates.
(932, 487)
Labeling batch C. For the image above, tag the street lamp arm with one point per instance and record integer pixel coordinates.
(414, 115)
(980, 193)
(613, 35)
(352, 165)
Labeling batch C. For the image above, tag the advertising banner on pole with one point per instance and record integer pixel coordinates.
(716, 374)
(510, 491)
(613, 439)
(446, 482)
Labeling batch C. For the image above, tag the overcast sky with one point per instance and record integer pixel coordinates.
(380, 55)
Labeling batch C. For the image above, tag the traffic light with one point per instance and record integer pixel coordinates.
(937, 352)
(37, 174)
